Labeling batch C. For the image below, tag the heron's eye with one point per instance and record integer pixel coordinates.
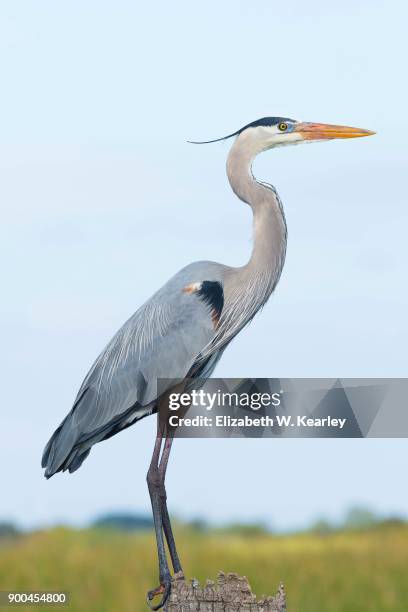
(283, 127)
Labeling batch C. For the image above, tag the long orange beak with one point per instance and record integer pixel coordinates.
(323, 131)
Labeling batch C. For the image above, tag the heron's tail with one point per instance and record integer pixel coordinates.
(60, 453)
(70, 445)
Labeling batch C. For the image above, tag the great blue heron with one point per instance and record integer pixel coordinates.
(183, 329)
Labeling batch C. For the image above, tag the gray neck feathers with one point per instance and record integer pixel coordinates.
(264, 268)
(246, 289)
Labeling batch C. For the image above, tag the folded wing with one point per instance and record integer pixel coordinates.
(161, 340)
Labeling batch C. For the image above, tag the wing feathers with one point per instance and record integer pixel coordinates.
(161, 340)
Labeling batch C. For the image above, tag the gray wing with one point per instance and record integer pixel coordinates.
(161, 340)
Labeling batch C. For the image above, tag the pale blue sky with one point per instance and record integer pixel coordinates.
(102, 200)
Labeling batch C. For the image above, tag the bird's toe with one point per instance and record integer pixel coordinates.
(163, 590)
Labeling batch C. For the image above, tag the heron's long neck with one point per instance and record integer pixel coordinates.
(269, 238)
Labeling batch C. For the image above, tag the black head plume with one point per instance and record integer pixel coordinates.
(264, 121)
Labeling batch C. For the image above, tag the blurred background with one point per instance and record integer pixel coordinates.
(103, 200)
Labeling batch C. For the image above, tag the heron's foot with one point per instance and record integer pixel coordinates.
(163, 590)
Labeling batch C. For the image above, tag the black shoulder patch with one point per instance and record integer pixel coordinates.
(212, 293)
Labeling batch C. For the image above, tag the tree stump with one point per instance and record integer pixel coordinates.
(231, 593)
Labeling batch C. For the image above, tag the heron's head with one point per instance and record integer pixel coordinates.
(270, 132)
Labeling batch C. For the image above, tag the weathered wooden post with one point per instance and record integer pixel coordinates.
(231, 593)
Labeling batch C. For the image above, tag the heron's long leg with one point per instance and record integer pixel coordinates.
(155, 486)
(168, 532)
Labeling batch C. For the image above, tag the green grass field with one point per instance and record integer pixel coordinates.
(103, 570)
